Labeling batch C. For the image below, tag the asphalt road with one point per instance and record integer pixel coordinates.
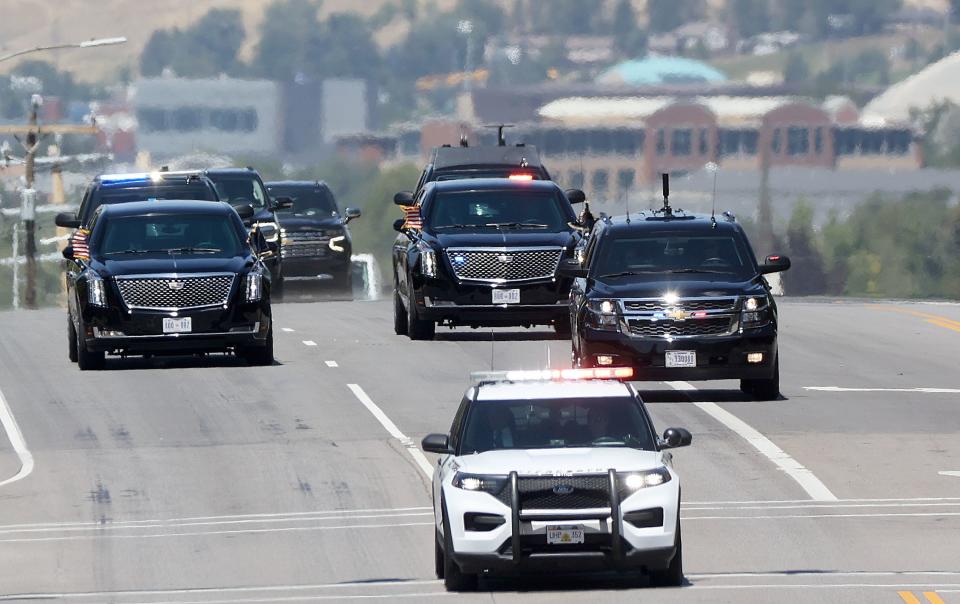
(203, 480)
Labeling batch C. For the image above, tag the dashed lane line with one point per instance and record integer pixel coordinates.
(286, 329)
(17, 441)
(392, 428)
(331, 363)
(804, 477)
(309, 343)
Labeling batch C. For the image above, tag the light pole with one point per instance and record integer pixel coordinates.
(85, 44)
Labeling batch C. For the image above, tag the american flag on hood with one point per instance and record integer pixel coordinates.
(411, 215)
(80, 243)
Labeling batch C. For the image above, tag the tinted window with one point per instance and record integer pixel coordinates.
(213, 235)
(556, 423)
(660, 252)
(480, 209)
(307, 201)
(240, 189)
(106, 195)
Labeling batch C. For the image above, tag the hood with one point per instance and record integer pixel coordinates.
(685, 286)
(167, 264)
(310, 223)
(503, 238)
(560, 461)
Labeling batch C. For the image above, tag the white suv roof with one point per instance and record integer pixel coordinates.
(552, 389)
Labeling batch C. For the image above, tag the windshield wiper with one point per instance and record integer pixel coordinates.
(628, 274)
(194, 250)
(515, 225)
(118, 252)
(698, 270)
(460, 226)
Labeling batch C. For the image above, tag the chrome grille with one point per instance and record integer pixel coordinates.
(689, 304)
(175, 293)
(504, 265)
(658, 328)
(305, 244)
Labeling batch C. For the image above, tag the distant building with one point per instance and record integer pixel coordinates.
(655, 71)
(933, 84)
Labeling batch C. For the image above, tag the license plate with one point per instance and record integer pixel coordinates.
(681, 358)
(506, 296)
(564, 535)
(184, 325)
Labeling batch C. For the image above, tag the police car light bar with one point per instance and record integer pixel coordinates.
(521, 177)
(540, 375)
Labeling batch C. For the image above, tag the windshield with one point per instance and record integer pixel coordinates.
(556, 423)
(105, 195)
(498, 209)
(207, 234)
(307, 202)
(240, 189)
(666, 253)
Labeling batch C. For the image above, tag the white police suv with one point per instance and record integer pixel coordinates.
(555, 470)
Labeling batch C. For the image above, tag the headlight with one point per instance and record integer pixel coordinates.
(602, 314)
(254, 288)
(428, 260)
(651, 478)
(335, 243)
(479, 482)
(751, 304)
(756, 313)
(96, 289)
(276, 231)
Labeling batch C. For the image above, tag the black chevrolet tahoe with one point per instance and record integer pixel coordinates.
(176, 277)
(483, 252)
(676, 297)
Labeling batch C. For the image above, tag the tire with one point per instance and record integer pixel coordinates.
(453, 578)
(261, 356)
(417, 328)
(672, 576)
(438, 561)
(86, 359)
(277, 289)
(764, 390)
(399, 315)
(71, 340)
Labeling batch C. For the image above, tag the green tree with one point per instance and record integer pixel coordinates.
(287, 26)
(567, 16)
(211, 44)
(807, 277)
(629, 38)
(751, 17)
(158, 54)
(667, 15)
(342, 46)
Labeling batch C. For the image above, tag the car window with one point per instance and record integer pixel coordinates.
(556, 423)
(240, 189)
(306, 201)
(667, 252)
(213, 235)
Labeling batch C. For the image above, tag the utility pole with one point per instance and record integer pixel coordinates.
(28, 202)
(764, 213)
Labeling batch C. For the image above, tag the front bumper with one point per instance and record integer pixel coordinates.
(315, 267)
(520, 544)
(718, 357)
(541, 303)
(139, 332)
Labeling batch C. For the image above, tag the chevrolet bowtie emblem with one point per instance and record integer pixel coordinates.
(677, 314)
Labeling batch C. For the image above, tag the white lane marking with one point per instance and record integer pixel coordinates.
(936, 586)
(331, 363)
(844, 389)
(392, 428)
(17, 441)
(804, 477)
(818, 506)
(801, 516)
(346, 514)
(286, 329)
(130, 527)
(221, 590)
(950, 473)
(309, 343)
(314, 598)
(807, 501)
(251, 531)
(826, 575)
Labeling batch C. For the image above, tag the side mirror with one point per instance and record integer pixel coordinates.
(351, 213)
(774, 264)
(245, 211)
(283, 203)
(575, 196)
(398, 225)
(436, 443)
(676, 437)
(571, 267)
(67, 220)
(68, 252)
(403, 198)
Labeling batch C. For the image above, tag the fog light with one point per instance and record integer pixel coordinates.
(755, 357)
(604, 359)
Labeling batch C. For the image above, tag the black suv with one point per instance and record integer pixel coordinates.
(315, 238)
(123, 188)
(174, 277)
(483, 252)
(677, 297)
(242, 186)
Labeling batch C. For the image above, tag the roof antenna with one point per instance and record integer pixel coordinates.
(501, 141)
(463, 140)
(712, 167)
(626, 204)
(667, 210)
